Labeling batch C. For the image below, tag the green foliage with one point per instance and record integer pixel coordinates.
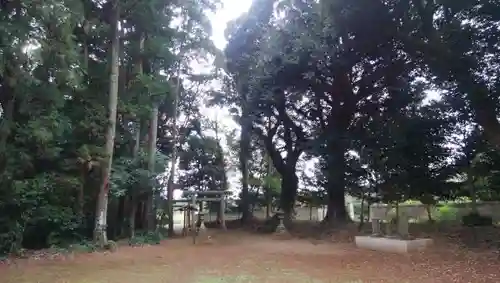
(343, 83)
(204, 163)
(475, 219)
(54, 80)
(146, 238)
(447, 213)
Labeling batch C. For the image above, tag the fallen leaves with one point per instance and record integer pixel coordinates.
(332, 258)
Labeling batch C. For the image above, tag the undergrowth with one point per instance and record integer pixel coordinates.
(146, 238)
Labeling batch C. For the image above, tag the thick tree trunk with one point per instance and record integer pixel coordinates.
(7, 121)
(268, 192)
(244, 156)
(428, 208)
(336, 209)
(133, 198)
(221, 214)
(473, 197)
(80, 193)
(362, 213)
(152, 196)
(120, 216)
(144, 215)
(100, 235)
(132, 203)
(132, 215)
(289, 187)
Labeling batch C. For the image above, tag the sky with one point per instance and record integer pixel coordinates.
(230, 9)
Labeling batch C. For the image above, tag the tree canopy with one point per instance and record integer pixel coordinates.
(347, 82)
(390, 100)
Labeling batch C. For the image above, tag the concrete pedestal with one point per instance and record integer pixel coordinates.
(393, 245)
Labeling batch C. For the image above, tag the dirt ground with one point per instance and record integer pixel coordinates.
(242, 257)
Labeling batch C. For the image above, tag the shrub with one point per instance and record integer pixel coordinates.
(146, 238)
(475, 219)
(447, 213)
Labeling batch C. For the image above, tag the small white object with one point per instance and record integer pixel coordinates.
(102, 219)
(391, 244)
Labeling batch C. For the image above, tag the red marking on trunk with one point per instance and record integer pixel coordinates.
(106, 185)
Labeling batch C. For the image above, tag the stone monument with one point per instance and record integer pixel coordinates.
(280, 229)
(401, 242)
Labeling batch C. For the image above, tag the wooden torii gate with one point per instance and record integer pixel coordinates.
(197, 202)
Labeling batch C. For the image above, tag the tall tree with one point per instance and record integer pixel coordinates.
(100, 235)
(244, 35)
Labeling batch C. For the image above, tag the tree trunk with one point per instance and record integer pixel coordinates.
(132, 216)
(153, 197)
(133, 193)
(268, 209)
(86, 28)
(289, 187)
(120, 216)
(336, 207)
(144, 214)
(244, 156)
(473, 198)
(80, 193)
(429, 213)
(6, 123)
(173, 163)
(221, 217)
(268, 192)
(133, 198)
(362, 213)
(100, 235)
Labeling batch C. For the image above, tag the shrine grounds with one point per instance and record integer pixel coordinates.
(245, 256)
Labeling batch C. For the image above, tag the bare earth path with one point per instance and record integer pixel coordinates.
(238, 257)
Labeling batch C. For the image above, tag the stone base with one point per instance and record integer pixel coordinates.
(391, 244)
(282, 236)
(205, 240)
(204, 236)
(282, 233)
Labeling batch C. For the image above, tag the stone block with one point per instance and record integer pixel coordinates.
(379, 211)
(393, 245)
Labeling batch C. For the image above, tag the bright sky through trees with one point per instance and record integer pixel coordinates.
(231, 9)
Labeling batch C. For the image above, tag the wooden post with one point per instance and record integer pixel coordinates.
(183, 221)
(376, 227)
(222, 213)
(403, 230)
(194, 229)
